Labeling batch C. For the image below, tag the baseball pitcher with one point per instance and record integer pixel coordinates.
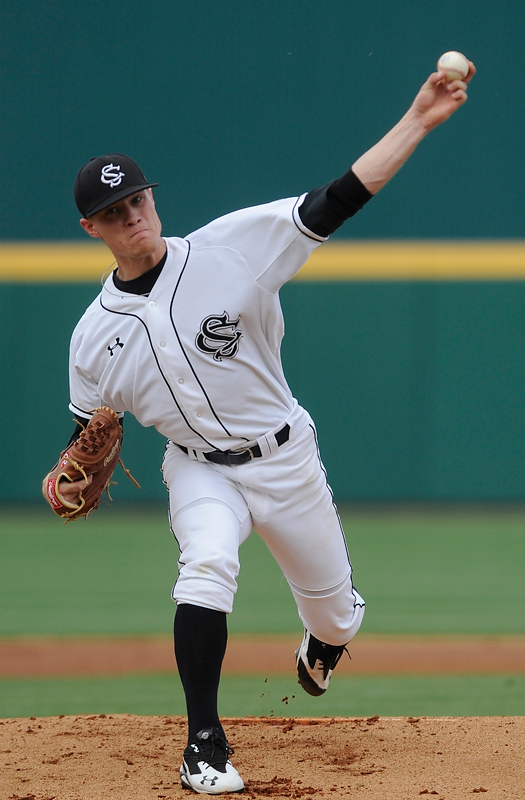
(185, 335)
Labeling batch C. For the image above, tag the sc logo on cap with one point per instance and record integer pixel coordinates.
(111, 175)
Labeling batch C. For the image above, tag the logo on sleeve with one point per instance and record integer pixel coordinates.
(219, 336)
(111, 175)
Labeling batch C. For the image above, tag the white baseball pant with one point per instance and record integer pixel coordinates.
(285, 497)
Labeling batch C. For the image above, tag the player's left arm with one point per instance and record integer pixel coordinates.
(435, 102)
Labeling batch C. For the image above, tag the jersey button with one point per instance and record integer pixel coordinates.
(151, 303)
(181, 380)
(163, 344)
(199, 413)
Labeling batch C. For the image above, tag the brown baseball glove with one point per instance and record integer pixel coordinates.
(95, 453)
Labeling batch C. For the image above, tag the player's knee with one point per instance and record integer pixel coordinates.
(333, 615)
(339, 629)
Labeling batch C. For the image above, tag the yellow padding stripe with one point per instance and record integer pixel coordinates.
(53, 261)
(358, 260)
(417, 260)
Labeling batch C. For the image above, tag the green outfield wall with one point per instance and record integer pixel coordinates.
(415, 379)
(229, 103)
(404, 336)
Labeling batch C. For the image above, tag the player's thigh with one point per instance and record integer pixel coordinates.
(298, 519)
(209, 534)
(209, 519)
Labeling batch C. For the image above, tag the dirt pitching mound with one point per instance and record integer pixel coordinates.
(126, 757)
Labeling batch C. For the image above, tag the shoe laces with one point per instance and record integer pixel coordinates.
(328, 654)
(214, 749)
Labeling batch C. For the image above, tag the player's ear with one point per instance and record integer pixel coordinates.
(89, 228)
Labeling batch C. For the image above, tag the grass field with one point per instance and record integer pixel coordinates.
(278, 696)
(448, 571)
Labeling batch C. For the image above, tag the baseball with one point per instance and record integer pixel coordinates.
(455, 64)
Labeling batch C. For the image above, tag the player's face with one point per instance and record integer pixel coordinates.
(130, 228)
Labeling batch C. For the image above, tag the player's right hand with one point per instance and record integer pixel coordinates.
(437, 100)
(69, 490)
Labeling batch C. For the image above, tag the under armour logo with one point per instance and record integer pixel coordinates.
(219, 336)
(212, 781)
(111, 175)
(112, 347)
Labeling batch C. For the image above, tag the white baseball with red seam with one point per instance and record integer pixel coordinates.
(455, 65)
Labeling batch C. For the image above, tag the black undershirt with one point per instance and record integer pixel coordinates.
(144, 283)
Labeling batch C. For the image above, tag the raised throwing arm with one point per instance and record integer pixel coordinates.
(435, 102)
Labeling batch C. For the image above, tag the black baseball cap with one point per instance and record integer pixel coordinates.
(106, 179)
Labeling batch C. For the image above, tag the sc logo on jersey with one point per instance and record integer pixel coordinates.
(220, 336)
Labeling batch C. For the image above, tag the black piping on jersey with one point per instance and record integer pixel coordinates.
(127, 314)
(223, 426)
(80, 412)
(310, 235)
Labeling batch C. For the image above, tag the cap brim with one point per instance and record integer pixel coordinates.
(116, 196)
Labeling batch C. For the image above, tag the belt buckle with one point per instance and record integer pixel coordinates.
(242, 452)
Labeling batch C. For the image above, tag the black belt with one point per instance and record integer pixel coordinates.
(235, 458)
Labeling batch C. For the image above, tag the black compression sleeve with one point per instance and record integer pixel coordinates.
(324, 209)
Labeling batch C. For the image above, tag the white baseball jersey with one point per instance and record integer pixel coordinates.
(199, 356)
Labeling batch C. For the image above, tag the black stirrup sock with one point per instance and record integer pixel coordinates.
(200, 636)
